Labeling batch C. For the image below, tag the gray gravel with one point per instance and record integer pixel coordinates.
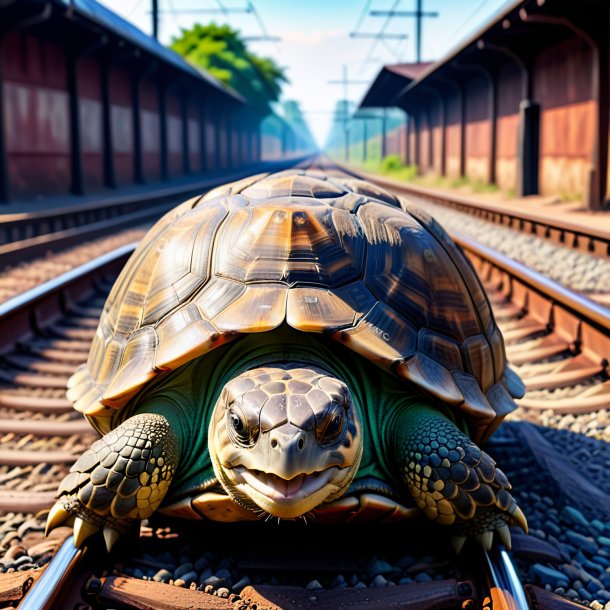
(577, 270)
(553, 492)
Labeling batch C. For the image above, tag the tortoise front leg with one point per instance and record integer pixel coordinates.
(122, 477)
(451, 479)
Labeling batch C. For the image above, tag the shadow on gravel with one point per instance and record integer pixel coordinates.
(570, 469)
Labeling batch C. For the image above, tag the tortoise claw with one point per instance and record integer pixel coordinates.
(485, 539)
(519, 518)
(457, 542)
(110, 537)
(58, 515)
(83, 530)
(504, 534)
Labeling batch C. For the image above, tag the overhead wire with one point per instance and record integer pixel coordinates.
(469, 18)
(379, 34)
(364, 13)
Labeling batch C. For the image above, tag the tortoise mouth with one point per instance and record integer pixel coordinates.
(282, 490)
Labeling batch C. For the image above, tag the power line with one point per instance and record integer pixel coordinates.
(419, 15)
(378, 35)
(258, 18)
(365, 10)
(476, 10)
(134, 8)
(381, 31)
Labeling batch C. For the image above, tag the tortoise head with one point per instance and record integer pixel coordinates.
(285, 439)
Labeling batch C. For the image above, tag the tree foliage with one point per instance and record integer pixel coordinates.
(219, 50)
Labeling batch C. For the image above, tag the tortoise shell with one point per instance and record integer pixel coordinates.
(331, 255)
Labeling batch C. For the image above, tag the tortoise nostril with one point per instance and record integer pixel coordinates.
(273, 443)
(300, 444)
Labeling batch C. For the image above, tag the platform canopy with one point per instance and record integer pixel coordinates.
(389, 82)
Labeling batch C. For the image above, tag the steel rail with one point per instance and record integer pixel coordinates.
(24, 234)
(584, 308)
(45, 591)
(26, 249)
(30, 298)
(506, 216)
(506, 590)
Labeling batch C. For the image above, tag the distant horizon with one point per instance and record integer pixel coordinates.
(314, 55)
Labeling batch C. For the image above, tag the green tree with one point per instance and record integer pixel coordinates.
(220, 50)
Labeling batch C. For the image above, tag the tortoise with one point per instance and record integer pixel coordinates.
(292, 345)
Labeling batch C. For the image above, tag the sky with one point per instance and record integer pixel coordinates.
(315, 40)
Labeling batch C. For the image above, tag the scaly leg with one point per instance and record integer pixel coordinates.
(451, 479)
(121, 478)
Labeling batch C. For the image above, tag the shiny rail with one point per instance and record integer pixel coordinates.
(585, 308)
(46, 590)
(24, 235)
(571, 235)
(506, 590)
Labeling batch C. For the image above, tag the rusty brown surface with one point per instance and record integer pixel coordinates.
(14, 585)
(414, 596)
(143, 595)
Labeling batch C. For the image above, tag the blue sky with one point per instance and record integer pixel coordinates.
(315, 38)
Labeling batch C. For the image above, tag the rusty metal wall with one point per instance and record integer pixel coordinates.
(508, 93)
(88, 75)
(478, 128)
(193, 135)
(424, 141)
(210, 140)
(434, 111)
(453, 109)
(150, 129)
(396, 141)
(562, 79)
(121, 125)
(174, 136)
(36, 124)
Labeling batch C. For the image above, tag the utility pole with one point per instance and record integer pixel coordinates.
(346, 82)
(155, 19)
(419, 15)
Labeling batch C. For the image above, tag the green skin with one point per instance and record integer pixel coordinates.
(411, 447)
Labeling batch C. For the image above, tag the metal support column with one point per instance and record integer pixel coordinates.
(601, 65)
(184, 117)
(4, 179)
(203, 127)
(528, 147)
(138, 170)
(493, 117)
(107, 144)
(462, 131)
(161, 93)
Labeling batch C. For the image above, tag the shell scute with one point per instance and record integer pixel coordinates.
(314, 309)
(136, 368)
(291, 184)
(184, 335)
(431, 376)
(440, 348)
(477, 355)
(261, 307)
(289, 243)
(382, 336)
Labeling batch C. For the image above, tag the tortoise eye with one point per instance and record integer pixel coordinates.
(332, 425)
(240, 430)
(237, 424)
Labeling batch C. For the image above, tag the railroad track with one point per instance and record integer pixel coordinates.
(80, 232)
(45, 334)
(558, 231)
